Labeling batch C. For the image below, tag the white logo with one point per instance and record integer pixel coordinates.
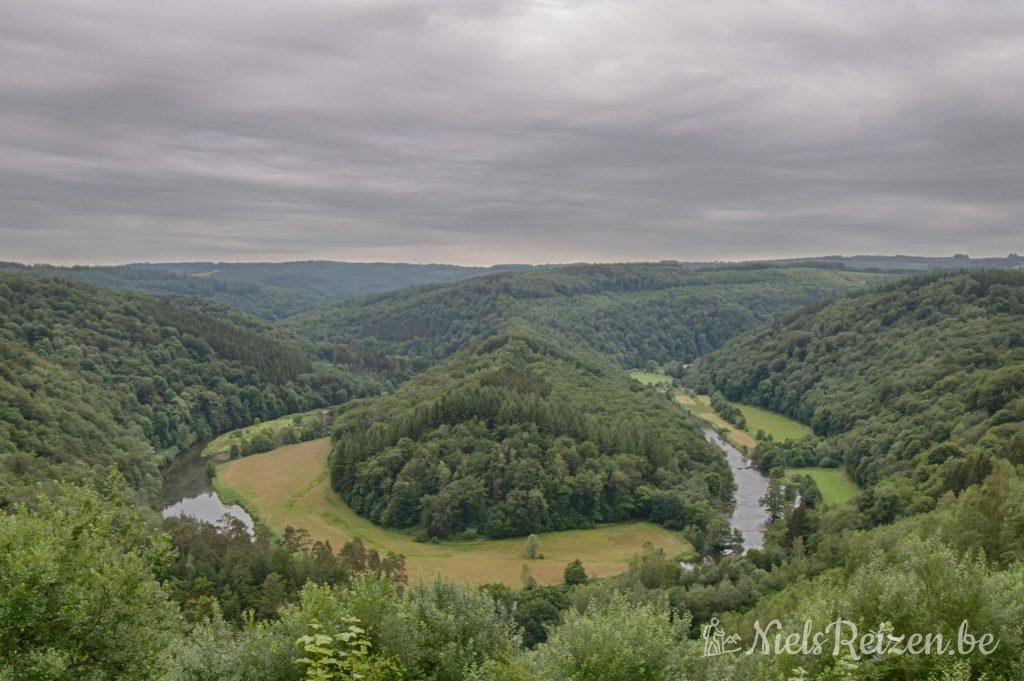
(715, 640)
(845, 640)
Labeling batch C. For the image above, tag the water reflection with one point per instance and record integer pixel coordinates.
(208, 507)
(751, 485)
(189, 492)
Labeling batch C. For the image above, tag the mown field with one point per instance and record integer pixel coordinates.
(649, 378)
(835, 485)
(701, 408)
(289, 486)
(776, 425)
(221, 445)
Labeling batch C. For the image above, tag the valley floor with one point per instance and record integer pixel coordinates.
(290, 486)
(835, 485)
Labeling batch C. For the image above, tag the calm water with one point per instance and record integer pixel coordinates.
(187, 491)
(751, 484)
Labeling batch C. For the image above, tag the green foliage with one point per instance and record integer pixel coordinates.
(438, 630)
(91, 378)
(77, 595)
(915, 387)
(516, 436)
(257, 576)
(531, 547)
(613, 640)
(575, 573)
(632, 313)
(773, 501)
(342, 655)
(727, 410)
(914, 586)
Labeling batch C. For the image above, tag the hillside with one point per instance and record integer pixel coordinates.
(515, 435)
(632, 313)
(268, 290)
(91, 377)
(922, 380)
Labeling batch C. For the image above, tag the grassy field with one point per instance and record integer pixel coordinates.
(701, 408)
(222, 443)
(776, 425)
(835, 485)
(289, 486)
(648, 378)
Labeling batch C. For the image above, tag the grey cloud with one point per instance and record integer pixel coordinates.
(480, 132)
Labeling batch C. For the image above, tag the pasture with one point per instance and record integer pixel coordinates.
(290, 486)
(649, 378)
(778, 426)
(835, 485)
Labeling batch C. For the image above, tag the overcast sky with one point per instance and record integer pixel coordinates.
(479, 132)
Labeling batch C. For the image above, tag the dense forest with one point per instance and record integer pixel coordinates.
(268, 290)
(516, 435)
(632, 313)
(915, 385)
(92, 377)
(915, 388)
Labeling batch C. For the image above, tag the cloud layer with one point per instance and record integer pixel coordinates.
(480, 132)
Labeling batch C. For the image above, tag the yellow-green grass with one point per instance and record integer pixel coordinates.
(701, 408)
(650, 378)
(222, 443)
(290, 486)
(776, 425)
(835, 485)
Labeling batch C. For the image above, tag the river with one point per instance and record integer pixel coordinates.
(189, 492)
(751, 484)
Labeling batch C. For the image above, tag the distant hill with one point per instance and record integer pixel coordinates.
(908, 264)
(915, 386)
(633, 313)
(91, 378)
(268, 290)
(517, 435)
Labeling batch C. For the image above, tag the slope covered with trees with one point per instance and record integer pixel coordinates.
(268, 290)
(516, 435)
(91, 377)
(915, 388)
(632, 313)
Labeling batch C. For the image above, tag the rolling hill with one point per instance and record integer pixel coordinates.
(268, 290)
(92, 377)
(915, 387)
(632, 313)
(516, 435)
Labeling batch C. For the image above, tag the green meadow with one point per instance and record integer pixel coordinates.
(835, 485)
(776, 425)
(650, 378)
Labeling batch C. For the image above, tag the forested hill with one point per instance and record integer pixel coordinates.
(268, 290)
(91, 377)
(516, 435)
(632, 313)
(923, 380)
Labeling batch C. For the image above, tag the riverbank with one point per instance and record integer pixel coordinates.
(290, 486)
(188, 491)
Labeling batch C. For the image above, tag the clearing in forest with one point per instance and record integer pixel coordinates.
(778, 426)
(835, 485)
(290, 486)
(651, 378)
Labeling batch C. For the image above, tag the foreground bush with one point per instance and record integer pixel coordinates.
(78, 599)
